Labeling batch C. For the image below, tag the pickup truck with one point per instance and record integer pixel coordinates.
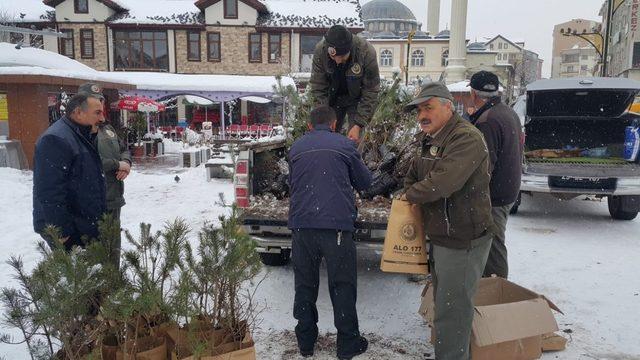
(257, 172)
(574, 140)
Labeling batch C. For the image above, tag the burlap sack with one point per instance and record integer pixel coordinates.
(405, 245)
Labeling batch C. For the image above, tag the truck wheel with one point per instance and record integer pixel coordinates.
(273, 259)
(620, 209)
(516, 205)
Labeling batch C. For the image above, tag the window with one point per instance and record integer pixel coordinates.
(213, 46)
(37, 41)
(308, 44)
(193, 45)
(500, 46)
(386, 58)
(230, 9)
(570, 69)
(506, 46)
(274, 47)
(255, 48)
(417, 58)
(141, 50)
(585, 57)
(66, 43)
(81, 6)
(401, 26)
(370, 26)
(636, 55)
(571, 58)
(15, 38)
(444, 61)
(490, 46)
(584, 68)
(86, 43)
(499, 57)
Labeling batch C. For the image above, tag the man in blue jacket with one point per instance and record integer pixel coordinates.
(325, 168)
(68, 182)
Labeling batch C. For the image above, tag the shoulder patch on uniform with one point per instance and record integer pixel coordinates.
(433, 151)
(356, 69)
(110, 133)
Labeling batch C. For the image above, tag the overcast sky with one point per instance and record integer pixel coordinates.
(528, 20)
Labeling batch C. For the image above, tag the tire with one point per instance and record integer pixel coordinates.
(616, 210)
(516, 205)
(274, 259)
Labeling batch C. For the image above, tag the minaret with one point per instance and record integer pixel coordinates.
(457, 42)
(433, 17)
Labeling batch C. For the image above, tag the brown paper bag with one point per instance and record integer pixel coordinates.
(239, 350)
(147, 348)
(405, 245)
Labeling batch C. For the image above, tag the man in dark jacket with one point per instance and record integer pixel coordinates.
(68, 182)
(325, 168)
(502, 132)
(116, 163)
(345, 76)
(449, 179)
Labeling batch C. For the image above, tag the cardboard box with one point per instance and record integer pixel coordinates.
(509, 321)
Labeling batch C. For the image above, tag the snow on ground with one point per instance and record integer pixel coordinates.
(570, 251)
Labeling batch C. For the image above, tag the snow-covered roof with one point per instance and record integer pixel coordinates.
(28, 56)
(19, 11)
(199, 83)
(312, 13)
(32, 61)
(165, 12)
(197, 100)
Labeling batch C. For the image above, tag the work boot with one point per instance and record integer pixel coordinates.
(306, 353)
(361, 347)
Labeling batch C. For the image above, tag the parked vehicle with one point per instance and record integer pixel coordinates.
(575, 141)
(257, 172)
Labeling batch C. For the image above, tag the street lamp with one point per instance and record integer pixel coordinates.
(596, 40)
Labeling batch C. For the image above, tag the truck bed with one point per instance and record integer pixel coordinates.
(608, 168)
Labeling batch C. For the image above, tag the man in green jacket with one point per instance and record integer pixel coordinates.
(116, 164)
(449, 178)
(345, 76)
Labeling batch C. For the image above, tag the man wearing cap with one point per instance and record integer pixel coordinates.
(502, 132)
(116, 163)
(449, 178)
(345, 76)
(68, 182)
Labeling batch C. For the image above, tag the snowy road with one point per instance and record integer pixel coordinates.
(569, 251)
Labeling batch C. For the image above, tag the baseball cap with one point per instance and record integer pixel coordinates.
(484, 81)
(339, 40)
(91, 89)
(428, 91)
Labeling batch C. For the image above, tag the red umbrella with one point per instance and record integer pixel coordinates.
(141, 104)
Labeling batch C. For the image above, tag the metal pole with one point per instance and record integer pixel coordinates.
(406, 75)
(224, 137)
(605, 51)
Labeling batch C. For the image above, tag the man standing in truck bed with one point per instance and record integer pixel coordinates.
(325, 169)
(345, 76)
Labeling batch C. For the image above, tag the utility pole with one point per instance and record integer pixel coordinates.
(607, 35)
(409, 40)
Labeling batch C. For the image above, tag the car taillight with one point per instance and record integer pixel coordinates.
(242, 167)
(242, 203)
(242, 192)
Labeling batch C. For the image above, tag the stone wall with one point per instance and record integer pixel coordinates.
(234, 53)
(100, 59)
